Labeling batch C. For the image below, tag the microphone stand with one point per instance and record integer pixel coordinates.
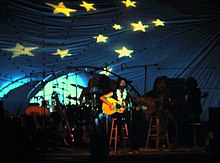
(92, 102)
(145, 72)
(76, 77)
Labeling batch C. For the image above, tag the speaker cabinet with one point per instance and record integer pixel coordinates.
(214, 118)
(214, 127)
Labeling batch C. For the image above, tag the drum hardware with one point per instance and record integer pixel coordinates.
(71, 98)
(64, 121)
(79, 86)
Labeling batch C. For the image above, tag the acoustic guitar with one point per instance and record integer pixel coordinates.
(117, 107)
(149, 103)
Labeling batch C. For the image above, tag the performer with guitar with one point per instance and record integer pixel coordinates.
(115, 103)
(158, 101)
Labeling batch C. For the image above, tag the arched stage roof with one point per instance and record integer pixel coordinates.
(41, 40)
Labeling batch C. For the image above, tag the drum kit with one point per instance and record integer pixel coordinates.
(78, 114)
(82, 111)
(86, 112)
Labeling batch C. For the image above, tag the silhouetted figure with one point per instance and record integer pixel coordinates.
(158, 102)
(193, 99)
(138, 129)
(86, 94)
(98, 147)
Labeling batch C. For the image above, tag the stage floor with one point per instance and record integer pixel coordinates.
(178, 155)
(18, 148)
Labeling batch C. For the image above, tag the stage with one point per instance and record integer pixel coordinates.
(16, 146)
(73, 154)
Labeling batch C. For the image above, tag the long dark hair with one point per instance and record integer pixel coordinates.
(120, 79)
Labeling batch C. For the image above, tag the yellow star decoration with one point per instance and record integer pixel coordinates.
(20, 49)
(139, 26)
(129, 3)
(61, 8)
(158, 22)
(116, 26)
(62, 53)
(124, 52)
(106, 71)
(100, 38)
(88, 6)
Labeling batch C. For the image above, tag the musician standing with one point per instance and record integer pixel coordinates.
(193, 99)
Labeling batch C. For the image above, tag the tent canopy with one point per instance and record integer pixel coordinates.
(41, 40)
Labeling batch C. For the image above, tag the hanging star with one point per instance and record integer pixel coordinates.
(124, 52)
(129, 3)
(139, 26)
(20, 49)
(100, 38)
(88, 6)
(116, 26)
(61, 8)
(158, 22)
(62, 53)
(106, 71)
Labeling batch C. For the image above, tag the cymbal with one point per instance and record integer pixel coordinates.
(79, 86)
(71, 98)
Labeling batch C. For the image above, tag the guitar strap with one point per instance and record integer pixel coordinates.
(114, 95)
